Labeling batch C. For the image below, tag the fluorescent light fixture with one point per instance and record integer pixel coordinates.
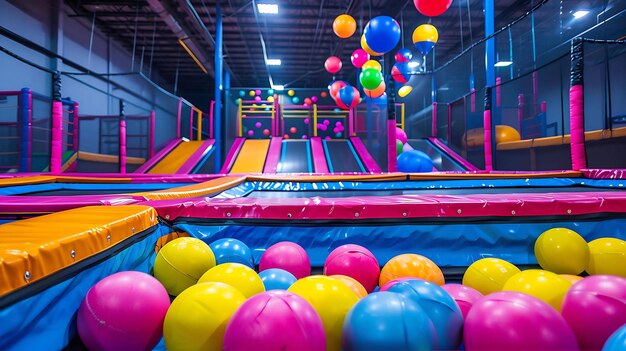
(270, 9)
(503, 63)
(273, 62)
(580, 13)
(413, 64)
(278, 87)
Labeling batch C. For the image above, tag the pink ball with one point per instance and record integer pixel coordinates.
(322, 127)
(257, 98)
(335, 130)
(464, 296)
(258, 92)
(314, 98)
(266, 132)
(257, 124)
(275, 320)
(359, 57)
(595, 307)
(337, 124)
(508, 320)
(333, 64)
(250, 133)
(288, 256)
(391, 283)
(356, 262)
(306, 121)
(326, 138)
(401, 135)
(304, 136)
(326, 122)
(123, 311)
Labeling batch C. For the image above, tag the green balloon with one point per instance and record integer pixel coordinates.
(399, 146)
(370, 78)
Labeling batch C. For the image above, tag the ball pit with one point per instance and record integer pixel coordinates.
(353, 284)
(411, 265)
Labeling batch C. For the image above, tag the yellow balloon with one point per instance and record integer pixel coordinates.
(331, 299)
(181, 262)
(489, 275)
(197, 318)
(608, 256)
(372, 64)
(425, 32)
(544, 285)
(291, 93)
(237, 275)
(270, 99)
(367, 48)
(353, 284)
(252, 93)
(562, 251)
(405, 90)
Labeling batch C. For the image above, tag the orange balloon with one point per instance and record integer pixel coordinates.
(571, 278)
(353, 284)
(344, 26)
(367, 48)
(378, 92)
(411, 265)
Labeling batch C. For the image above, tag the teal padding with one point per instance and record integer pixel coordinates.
(47, 320)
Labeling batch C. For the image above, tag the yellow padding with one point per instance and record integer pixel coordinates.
(514, 145)
(595, 135)
(251, 158)
(548, 141)
(618, 132)
(447, 176)
(27, 180)
(93, 157)
(172, 162)
(40, 246)
(195, 190)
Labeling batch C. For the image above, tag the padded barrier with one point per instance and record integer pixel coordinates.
(27, 189)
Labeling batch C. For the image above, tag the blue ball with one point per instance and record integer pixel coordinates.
(229, 250)
(382, 34)
(277, 279)
(295, 99)
(440, 307)
(270, 92)
(242, 93)
(414, 161)
(387, 321)
(617, 340)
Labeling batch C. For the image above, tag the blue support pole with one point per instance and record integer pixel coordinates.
(217, 111)
(24, 121)
(490, 60)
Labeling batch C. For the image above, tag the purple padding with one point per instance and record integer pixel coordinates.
(171, 145)
(362, 208)
(193, 160)
(122, 146)
(577, 127)
(453, 155)
(367, 159)
(46, 204)
(232, 154)
(319, 156)
(273, 155)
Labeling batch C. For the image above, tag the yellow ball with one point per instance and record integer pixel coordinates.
(488, 275)
(270, 99)
(353, 284)
(372, 64)
(405, 90)
(181, 262)
(608, 256)
(237, 275)
(197, 318)
(562, 251)
(252, 93)
(332, 300)
(544, 285)
(291, 93)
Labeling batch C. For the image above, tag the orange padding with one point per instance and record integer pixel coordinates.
(449, 176)
(93, 157)
(561, 140)
(195, 190)
(330, 177)
(58, 179)
(44, 245)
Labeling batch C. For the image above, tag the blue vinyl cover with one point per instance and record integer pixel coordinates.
(447, 244)
(47, 320)
(33, 188)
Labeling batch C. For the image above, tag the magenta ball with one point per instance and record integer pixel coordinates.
(401, 135)
(304, 136)
(306, 121)
(356, 262)
(595, 307)
(359, 57)
(337, 124)
(326, 138)
(333, 64)
(464, 296)
(266, 132)
(257, 92)
(314, 98)
(275, 320)
(335, 130)
(123, 311)
(288, 256)
(326, 122)
(515, 321)
(323, 127)
(257, 98)
(257, 124)
(250, 132)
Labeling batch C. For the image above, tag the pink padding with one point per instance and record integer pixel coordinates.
(577, 127)
(367, 159)
(193, 160)
(498, 92)
(433, 130)
(158, 157)
(122, 146)
(45, 204)
(320, 165)
(458, 158)
(472, 100)
(232, 155)
(487, 140)
(75, 139)
(604, 173)
(56, 141)
(362, 208)
(273, 155)
(391, 146)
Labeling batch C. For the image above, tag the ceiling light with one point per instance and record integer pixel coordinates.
(503, 63)
(271, 9)
(273, 62)
(413, 64)
(581, 13)
(278, 87)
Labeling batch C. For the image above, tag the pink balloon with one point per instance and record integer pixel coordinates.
(359, 57)
(333, 64)
(401, 135)
(335, 130)
(314, 98)
(305, 105)
(326, 122)
(463, 295)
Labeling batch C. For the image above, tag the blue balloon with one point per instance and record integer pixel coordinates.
(347, 95)
(277, 279)
(404, 54)
(414, 161)
(617, 340)
(295, 100)
(229, 250)
(440, 307)
(424, 47)
(242, 93)
(382, 34)
(387, 321)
